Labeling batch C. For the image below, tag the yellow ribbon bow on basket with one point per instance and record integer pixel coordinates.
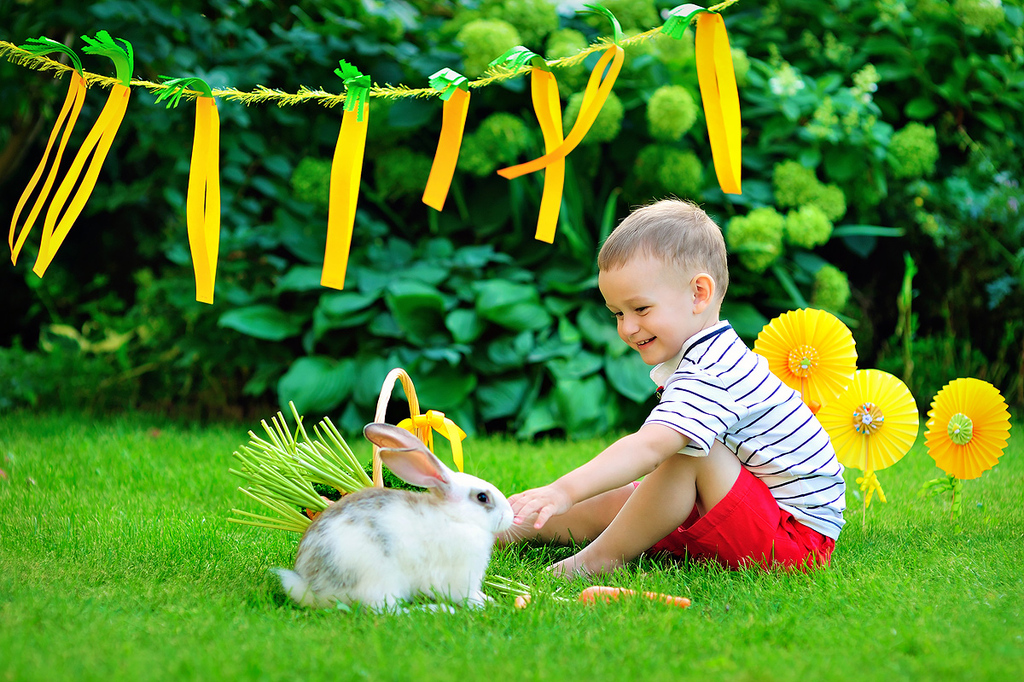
(423, 426)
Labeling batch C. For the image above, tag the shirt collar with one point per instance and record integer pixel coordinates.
(660, 374)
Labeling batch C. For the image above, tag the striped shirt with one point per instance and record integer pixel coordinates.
(718, 389)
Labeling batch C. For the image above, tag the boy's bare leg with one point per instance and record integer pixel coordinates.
(658, 506)
(584, 522)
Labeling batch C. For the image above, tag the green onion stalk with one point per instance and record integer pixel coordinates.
(282, 470)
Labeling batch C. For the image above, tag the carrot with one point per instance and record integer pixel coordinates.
(522, 601)
(595, 593)
(69, 114)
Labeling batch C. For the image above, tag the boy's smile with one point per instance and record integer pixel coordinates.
(655, 309)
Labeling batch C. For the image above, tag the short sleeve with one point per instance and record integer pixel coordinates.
(697, 406)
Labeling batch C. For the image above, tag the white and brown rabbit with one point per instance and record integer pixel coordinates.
(381, 546)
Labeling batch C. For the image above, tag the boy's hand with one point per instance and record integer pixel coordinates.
(544, 502)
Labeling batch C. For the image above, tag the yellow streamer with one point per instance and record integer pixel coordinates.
(346, 170)
(203, 203)
(436, 421)
(544, 88)
(598, 88)
(721, 99)
(869, 484)
(73, 104)
(453, 124)
(99, 138)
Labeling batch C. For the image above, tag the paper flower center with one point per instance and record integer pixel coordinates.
(867, 419)
(803, 360)
(960, 429)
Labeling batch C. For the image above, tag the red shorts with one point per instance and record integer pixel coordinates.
(748, 527)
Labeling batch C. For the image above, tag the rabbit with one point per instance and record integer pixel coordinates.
(380, 546)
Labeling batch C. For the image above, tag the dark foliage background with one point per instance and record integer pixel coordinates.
(877, 136)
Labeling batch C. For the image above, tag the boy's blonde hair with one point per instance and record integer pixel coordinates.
(676, 232)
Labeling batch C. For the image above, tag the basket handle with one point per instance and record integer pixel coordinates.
(382, 407)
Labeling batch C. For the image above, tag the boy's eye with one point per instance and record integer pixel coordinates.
(642, 309)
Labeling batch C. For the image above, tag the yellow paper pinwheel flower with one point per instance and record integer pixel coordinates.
(873, 424)
(811, 351)
(967, 428)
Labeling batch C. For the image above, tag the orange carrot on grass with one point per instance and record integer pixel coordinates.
(595, 593)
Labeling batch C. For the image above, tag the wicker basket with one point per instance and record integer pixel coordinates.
(386, 390)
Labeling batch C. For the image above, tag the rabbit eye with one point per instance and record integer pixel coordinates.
(482, 498)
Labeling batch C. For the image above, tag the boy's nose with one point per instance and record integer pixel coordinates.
(630, 325)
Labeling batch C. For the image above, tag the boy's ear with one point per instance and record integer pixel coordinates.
(703, 288)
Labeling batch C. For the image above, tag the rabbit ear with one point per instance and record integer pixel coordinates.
(407, 457)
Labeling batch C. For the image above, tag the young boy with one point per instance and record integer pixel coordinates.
(737, 469)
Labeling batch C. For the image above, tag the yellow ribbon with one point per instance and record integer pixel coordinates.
(717, 81)
(100, 138)
(73, 104)
(346, 170)
(203, 202)
(544, 89)
(453, 124)
(598, 88)
(869, 484)
(424, 425)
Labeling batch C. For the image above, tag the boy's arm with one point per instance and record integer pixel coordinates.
(624, 461)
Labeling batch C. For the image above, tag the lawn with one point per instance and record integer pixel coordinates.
(117, 563)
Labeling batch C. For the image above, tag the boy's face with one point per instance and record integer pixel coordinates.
(655, 308)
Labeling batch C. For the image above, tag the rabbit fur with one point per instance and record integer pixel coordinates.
(380, 547)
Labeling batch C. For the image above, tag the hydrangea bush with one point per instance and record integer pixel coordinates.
(870, 130)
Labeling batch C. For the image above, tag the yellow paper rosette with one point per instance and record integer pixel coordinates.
(811, 351)
(872, 424)
(967, 428)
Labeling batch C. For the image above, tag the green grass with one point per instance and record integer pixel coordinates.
(117, 562)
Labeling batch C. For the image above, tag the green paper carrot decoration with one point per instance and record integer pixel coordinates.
(346, 170)
(202, 210)
(99, 139)
(455, 93)
(717, 80)
(544, 91)
(594, 96)
(69, 115)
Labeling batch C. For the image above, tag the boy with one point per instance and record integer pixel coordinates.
(737, 469)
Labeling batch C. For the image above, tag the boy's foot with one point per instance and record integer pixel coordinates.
(580, 564)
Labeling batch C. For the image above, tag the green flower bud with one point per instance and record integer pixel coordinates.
(831, 289)
(534, 19)
(607, 124)
(500, 140)
(794, 184)
(913, 151)
(401, 172)
(756, 238)
(740, 65)
(567, 42)
(484, 40)
(311, 181)
(807, 227)
(675, 52)
(982, 14)
(831, 200)
(632, 14)
(671, 112)
(680, 173)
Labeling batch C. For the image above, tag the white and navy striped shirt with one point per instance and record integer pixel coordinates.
(718, 389)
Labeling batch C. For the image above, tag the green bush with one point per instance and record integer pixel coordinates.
(897, 122)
